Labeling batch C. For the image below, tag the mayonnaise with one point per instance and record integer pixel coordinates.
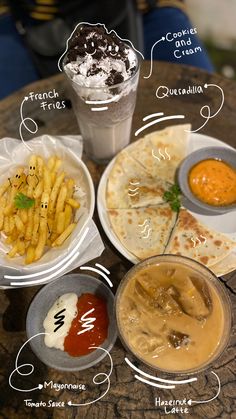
(58, 320)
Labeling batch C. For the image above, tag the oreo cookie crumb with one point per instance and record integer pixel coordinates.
(114, 78)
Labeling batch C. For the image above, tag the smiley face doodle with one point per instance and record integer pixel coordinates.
(32, 178)
(17, 181)
(44, 209)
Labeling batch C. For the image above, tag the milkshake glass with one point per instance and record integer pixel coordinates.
(104, 115)
(103, 72)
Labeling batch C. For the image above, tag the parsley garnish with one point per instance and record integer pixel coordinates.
(173, 197)
(23, 202)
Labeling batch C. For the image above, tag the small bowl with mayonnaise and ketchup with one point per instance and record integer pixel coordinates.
(207, 178)
(70, 322)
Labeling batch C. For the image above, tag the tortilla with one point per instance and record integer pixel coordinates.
(225, 266)
(193, 239)
(145, 231)
(130, 186)
(162, 151)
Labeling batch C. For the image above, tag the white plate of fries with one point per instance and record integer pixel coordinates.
(46, 200)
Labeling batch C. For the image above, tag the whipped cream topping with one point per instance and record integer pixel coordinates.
(98, 59)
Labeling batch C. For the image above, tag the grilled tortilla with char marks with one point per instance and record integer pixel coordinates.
(130, 186)
(192, 239)
(144, 232)
(162, 151)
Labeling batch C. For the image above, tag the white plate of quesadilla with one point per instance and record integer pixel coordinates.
(139, 222)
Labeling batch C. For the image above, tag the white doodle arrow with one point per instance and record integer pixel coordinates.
(157, 42)
(18, 367)
(208, 109)
(213, 398)
(23, 124)
(95, 381)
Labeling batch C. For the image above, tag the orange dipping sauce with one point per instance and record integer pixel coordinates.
(213, 182)
(77, 344)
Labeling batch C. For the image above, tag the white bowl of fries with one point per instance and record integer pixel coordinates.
(46, 200)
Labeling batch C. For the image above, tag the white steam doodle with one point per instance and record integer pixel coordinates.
(133, 188)
(147, 234)
(134, 183)
(101, 271)
(197, 241)
(95, 381)
(164, 118)
(163, 156)
(144, 223)
(87, 322)
(58, 267)
(146, 230)
(207, 108)
(25, 123)
(133, 192)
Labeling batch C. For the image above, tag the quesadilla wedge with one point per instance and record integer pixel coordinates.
(193, 239)
(162, 151)
(144, 231)
(225, 266)
(130, 186)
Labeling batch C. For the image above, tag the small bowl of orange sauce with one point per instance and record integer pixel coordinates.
(207, 178)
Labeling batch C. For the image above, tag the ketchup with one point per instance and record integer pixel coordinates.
(82, 335)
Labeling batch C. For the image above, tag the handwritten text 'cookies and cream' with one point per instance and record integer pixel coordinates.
(182, 42)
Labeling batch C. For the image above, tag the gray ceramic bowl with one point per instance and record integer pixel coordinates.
(45, 298)
(226, 154)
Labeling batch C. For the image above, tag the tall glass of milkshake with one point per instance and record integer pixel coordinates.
(103, 72)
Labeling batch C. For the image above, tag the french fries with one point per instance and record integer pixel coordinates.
(64, 235)
(37, 208)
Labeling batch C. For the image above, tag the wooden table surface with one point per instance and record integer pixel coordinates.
(127, 397)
